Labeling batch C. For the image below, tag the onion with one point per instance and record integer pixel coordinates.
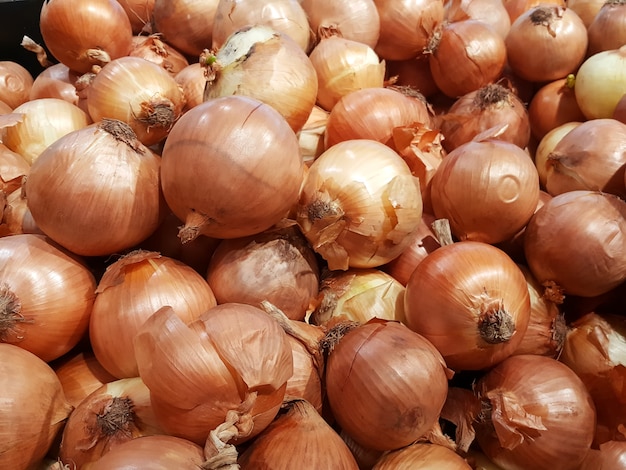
(114, 413)
(56, 81)
(285, 16)
(462, 190)
(586, 9)
(233, 142)
(465, 56)
(620, 110)
(153, 49)
(611, 454)
(13, 168)
(234, 359)
(80, 373)
(480, 110)
(492, 12)
(403, 402)
(471, 301)
(16, 83)
(516, 7)
(546, 43)
(47, 295)
(343, 66)
(185, 24)
(413, 73)
(43, 122)
(546, 147)
(358, 295)
(607, 31)
(84, 34)
(298, 434)
(359, 205)
(192, 81)
(601, 83)
(33, 409)
(138, 92)
(261, 63)
(374, 113)
(139, 13)
(406, 27)
(277, 266)
(358, 21)
(592, 156)
(422, 455)
(121, 177)
(596, 221)
(129, 292)
(536, 412)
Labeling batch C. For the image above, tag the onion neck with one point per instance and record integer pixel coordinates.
(157, 113)
(492, 95)
(116, 417)
(495, 324)
(194, 223)
(11, 316)
(121, 132)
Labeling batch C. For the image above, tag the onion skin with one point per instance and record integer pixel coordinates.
(539, 412)
(13, 168)
(611, 455)
(139, 13)
(34, 408)
(16, 82)
(546, 146)
(153, 49)
(424, 456)
(192, 81)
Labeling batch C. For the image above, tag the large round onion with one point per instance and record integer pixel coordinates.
(231, 167)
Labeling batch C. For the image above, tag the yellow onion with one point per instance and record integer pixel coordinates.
(386, 385)
(607, 31)
(233, 360)
(536, 411)
(359, 205)
(229, 144)
(85, 33)
(471, 301)
(139, 13)
(56, 81)
(424, 456)
(16, 82)
(264, 64)
(152, 48)
(130, 290)
(43, 121)
(33, 408)
(546, 146)
(47, 296)
(138, 92)
(298, 436)
(492, 12)
(114, 413)
(597, 222)
(13, 168)
(121, 178)
(342, 66)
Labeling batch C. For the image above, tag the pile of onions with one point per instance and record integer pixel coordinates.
(120, 176)
(471, 301)
(392, 413)
(359, 205)
(47, 296)
(231, 167)
(85, 34)
(536, 411)
(546, 43)
(230, 366)
(33, 408)
(138, 92)
(607, 31)
(597, 222)
(152, 48)
(343, 66)
(16, 82)
(133, 288)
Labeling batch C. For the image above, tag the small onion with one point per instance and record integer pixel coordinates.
(597, 222)
(192, 81)
(421, 455)
(359, 205)
(607, 31)
(33, 408)
(152, 48)
(471, 301)
(536, 412)
(133, 288)
(546, 43)
(546, 147)
(386, 385)
(85, 33)
(16, 82)
(231, 143)
(47, 296)
(121, 178)
(139, 13)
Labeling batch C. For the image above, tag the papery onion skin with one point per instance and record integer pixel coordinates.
(424, 456)
(359, 204)
(124, 204)
(16, 83)
(471, 301)
(541, 411)
(597, 221)
(34, 408)
(155, 50)
(249, 145)
(13, 168)
(47, 296)
(306, 381)
(139, 13)
(83, 34)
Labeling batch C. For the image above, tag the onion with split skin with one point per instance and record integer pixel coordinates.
(16, 82)
(152, 48)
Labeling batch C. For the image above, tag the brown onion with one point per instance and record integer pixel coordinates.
(586, 9)
(492, 12)
(465, 56)
(192, 81)
(152, 48)
(83, 34)
(16, 83)
(33, 408)
(386, 385)
(233, 142)
(130, 291)
(607, 31)
(121, 177)
(597, 223)
(139, 13)
(516, 7)
(546, 43)
(306, 381)
(56, 81)
(471, 301)
(536, 412)
(422, 455)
